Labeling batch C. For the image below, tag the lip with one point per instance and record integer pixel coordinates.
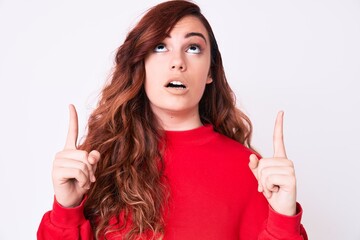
(177, 91)
(177, 80)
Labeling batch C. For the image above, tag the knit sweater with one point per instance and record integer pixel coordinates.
(213, 196)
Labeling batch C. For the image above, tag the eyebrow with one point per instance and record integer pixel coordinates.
(191, 34)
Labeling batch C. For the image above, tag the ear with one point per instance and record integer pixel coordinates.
(209, 79)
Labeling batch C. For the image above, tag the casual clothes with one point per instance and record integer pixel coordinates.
(213, 196)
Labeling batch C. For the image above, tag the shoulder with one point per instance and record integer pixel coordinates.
(234, 158)
(229, 144)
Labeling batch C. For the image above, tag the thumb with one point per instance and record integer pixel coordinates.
(253, 164)
(94, 157)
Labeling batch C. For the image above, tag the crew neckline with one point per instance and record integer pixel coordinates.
(196, 136)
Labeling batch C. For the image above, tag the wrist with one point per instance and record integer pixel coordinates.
(283, 226)
(66, 203)
(285, 210)
(67, 217)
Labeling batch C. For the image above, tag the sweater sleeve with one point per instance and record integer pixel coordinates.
(278, 226)
(65, 223)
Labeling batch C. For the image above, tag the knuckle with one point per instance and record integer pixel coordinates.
(292, 171)
(59, 155)
(264, 171)
(83, 155)
(83, 168)
(55, 174)
(82, 183)
(268, 179)
(79, 173)
(56, 164)
(264, 181)
(57, 161)
(290, 162)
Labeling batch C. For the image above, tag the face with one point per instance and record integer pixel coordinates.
(177, 69)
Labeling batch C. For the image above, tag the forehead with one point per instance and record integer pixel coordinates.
(189, 24)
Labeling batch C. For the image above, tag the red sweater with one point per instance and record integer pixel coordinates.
(213, 196)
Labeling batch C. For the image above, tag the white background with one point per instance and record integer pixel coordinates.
(299, 56)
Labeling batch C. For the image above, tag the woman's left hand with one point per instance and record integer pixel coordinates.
(276, 175)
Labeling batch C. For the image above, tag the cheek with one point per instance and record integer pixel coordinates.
(148, 76)
(202, 73)
(152, 78)
(150, 91)
(153, 69)
(200, 66)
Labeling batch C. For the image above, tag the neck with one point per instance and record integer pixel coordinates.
(178, 121)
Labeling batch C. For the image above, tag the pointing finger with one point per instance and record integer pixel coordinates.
(278, 138)
(72, 135)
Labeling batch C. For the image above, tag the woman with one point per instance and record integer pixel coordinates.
(168, 154)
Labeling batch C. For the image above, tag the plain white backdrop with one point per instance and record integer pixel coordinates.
(302, 57)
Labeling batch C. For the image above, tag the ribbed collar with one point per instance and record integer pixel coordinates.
(197, 136)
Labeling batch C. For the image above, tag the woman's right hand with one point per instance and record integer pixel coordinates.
(73, 169)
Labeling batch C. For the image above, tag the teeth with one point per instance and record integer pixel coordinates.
(176, 84)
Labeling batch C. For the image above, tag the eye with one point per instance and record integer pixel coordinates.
(160, 48)
(194, 48)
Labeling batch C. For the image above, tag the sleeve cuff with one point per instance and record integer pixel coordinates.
(68, 217)
(281, 225)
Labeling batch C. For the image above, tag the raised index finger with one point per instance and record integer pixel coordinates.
(278, 138)
(72, 135)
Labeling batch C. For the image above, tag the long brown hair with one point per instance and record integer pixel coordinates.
(130, 180)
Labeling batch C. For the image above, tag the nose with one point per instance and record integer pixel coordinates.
(178, 62)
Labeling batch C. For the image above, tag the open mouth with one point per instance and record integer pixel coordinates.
(176, 84)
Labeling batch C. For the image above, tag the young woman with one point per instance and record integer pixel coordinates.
(168, 154)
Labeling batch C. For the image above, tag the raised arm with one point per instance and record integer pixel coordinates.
(72, 175)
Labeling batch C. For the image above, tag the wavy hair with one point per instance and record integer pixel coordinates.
(131, 186)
